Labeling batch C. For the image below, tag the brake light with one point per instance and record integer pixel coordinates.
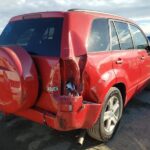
(32, 16)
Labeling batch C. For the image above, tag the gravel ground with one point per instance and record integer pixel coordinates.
(133, 133)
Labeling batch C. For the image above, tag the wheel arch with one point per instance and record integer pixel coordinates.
(121, 86)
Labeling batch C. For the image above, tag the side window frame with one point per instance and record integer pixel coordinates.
(90, 31)
(110, 29)
(131, 24)
(131, 36)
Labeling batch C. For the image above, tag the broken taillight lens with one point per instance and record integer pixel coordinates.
(70, 76)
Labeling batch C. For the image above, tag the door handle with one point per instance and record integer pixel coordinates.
(142, 58)
(119, 61)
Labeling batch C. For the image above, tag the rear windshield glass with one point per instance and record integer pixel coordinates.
(37, 36)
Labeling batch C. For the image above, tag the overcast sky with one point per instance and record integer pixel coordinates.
(138, 10)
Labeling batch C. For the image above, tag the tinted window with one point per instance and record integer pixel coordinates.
(114, 39)
(124, 35)
(139, 39)
(99, 37)
(37, 36)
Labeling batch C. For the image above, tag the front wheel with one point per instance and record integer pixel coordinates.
(109, 117)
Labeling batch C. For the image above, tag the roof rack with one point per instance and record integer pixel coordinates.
(94, 11)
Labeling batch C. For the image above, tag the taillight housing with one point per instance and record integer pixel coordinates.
(71, 75)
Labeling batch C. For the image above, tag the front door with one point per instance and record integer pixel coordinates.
(140, 43)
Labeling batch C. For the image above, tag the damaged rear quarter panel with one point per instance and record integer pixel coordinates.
(98, 76)
(93, 72)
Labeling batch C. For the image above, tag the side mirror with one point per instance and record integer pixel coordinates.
(148, 48)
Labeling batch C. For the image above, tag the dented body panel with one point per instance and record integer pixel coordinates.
(49, 77)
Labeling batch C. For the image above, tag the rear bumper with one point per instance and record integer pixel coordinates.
(72, 113)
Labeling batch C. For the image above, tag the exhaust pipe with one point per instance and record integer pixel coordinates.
(81, 137)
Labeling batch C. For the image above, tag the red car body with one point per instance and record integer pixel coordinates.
(45, 100)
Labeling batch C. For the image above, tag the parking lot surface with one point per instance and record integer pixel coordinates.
(133, 133)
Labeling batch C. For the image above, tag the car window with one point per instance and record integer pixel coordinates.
(37, 36)
(124, 35)
(114, 39)
(99, 37)
(140, 41)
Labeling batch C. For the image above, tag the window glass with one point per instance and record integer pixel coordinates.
(114, 38)
(99, 37)
(139, 39)
(124, 35)
(37, 36)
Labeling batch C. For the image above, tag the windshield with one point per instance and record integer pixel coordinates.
(37, 36)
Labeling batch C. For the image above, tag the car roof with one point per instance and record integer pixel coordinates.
(61, 14)
(101, 14)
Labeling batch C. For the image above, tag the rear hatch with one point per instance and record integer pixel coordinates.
(41, 38)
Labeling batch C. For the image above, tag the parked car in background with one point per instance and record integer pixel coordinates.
(72, 70)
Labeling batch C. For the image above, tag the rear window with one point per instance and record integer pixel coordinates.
(37, 36)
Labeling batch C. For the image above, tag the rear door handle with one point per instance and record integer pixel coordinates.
(142, 58)
(119, 61)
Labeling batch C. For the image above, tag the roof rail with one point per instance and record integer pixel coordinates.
(85, 10)
(94, 11)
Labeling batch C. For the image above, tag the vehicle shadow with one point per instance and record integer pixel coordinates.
(133, 132)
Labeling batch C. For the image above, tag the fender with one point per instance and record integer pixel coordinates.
(97, 85)
(122, 77)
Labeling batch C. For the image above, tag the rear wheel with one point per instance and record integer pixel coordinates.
(109, 117)
(147, 87)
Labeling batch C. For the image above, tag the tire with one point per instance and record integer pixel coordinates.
(112, 110)
(19, 80)
(147, 88)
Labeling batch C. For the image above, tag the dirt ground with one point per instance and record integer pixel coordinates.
(133, 133)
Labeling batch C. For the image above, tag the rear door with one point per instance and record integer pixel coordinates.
(140, 43)
(125, 58)
(98, 69)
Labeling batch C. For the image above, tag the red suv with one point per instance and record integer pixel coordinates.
(72, 70)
